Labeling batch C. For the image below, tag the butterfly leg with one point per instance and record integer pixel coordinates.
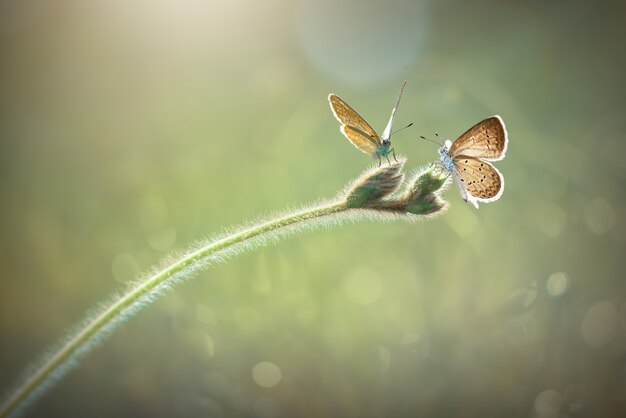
(388, 162)
(380, 161)
(393, 151)
(438, 167)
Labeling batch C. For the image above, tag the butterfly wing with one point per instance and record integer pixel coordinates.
(387, 131)
(487, 139)
(478, 180)
(349, 118)
(360, 139)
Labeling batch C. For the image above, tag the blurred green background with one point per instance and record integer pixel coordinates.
(129, 130)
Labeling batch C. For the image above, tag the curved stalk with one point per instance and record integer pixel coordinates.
(367, 196)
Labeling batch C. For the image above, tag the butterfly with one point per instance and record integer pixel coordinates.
(466, 159)
(360, 134)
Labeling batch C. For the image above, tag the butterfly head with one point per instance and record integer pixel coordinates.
(386, 142)
(443, 150)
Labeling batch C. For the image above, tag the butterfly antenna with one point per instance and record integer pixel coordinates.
(398, 130)
(435, 142)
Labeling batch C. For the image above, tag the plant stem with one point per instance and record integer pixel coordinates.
(372, 195)
(97, 324)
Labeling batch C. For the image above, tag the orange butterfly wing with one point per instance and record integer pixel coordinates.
(359, 139)
(487, 139)
(354, 126)
(480, 179)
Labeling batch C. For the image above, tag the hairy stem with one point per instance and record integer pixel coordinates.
(367, 197)
(151, 283)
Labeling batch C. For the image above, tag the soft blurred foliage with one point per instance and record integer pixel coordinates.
(130, 129)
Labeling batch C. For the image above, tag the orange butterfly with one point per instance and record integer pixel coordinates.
(360, 133)
(466, 158)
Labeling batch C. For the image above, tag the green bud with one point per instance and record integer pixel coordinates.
(425, 204)
(429, 180)
(375, 184)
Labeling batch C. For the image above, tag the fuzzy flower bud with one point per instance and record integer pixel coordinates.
(422, 197)
(428, 181)
(375, 184)
(425, 204)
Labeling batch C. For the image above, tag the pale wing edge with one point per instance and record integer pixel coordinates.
(342, 130)
(506, 143)
(462, 190)
(468, 152)
(474, 200)
(387, 132)
(332, 108)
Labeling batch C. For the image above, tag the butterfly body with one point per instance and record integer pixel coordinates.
(360, 133)
(383, 150)
(446, 159)
(467, 159)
